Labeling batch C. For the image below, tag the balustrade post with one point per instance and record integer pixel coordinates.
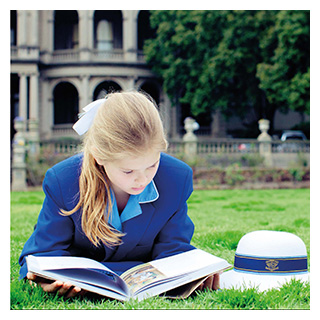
(190, 139)
(265, 142)
(19, 166)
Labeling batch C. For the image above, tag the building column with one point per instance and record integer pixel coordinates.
(34, 40)
(47, 24)
(130, 35)
(34, 115)
(50, 110)
(21, 28)
(23, 96)
(85, 34)
(85, 99)
(165, 109)
(82, 27)
(50, 31)
(34, 97)
(175, 126)
(131, 83)
(90, 30)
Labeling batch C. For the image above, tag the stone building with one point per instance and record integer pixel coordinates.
(63, 60)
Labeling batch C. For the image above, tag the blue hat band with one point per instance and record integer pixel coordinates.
(271, 265)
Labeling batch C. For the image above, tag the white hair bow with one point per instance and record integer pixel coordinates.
(86, 118)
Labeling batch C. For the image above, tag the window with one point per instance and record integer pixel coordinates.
(13, 27)
(108, 29)
(66, 103)
(104, 35)
(144, 30)
(104, 88)
(66, 30)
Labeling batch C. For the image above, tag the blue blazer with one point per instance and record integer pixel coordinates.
(163, 228)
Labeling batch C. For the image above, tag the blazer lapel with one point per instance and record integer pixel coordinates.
(134, 229)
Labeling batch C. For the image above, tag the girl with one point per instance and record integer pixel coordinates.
(122, 201)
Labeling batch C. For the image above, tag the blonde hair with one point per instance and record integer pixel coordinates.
(127, 123)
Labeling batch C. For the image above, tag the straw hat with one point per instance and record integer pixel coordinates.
(265, 260)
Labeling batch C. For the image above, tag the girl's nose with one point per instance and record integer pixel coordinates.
(141, 179)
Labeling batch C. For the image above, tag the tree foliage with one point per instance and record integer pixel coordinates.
(233, 61)
(285, 72)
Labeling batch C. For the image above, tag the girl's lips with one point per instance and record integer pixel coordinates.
(138, 189)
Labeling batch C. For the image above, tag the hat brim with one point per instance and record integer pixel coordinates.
(244, 280)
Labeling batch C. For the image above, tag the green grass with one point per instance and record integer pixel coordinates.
(221, 218)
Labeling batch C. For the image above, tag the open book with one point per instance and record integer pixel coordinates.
(177, 275)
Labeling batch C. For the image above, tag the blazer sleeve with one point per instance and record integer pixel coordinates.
(53, 232)
(176, 234)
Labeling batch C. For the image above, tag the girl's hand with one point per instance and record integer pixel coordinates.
(212, 283)
(63, 288)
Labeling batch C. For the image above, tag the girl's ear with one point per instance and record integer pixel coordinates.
(99, 162)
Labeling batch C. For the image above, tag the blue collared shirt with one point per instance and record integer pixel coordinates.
(133, 208)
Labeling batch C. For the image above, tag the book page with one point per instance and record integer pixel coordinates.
(140, 276)
(171, 269)
(83, 271)
(64, 262)
(185, 262)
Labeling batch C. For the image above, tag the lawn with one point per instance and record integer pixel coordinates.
(221, 218)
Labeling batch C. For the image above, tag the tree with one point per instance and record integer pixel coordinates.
(170, 54)
(284, 73)
(180, 48)
(209, 59)
(229, 74)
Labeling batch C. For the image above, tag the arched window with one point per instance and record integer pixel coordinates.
(151, 89)
(66, 29)
(104, 88)
(108, 29)
(144, 29)
(66, 103)
(14, 100)
(13, 27)
(104, 35)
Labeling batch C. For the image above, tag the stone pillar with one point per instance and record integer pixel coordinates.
(130, 35)
(34, 40)
(90, 30)
(50, 113)
(84, 98)
(47, 42)
(23, 99)
(34, 96)
(34, 145)
(49, 38)
(190, 139)
(21, 28)
(175, 121)
(19, 167)
(265, 147)
(46, 114)
(165, 110)
(85, 35)
(131, 83)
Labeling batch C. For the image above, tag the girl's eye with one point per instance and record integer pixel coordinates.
(154, 165)
(127, 172)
